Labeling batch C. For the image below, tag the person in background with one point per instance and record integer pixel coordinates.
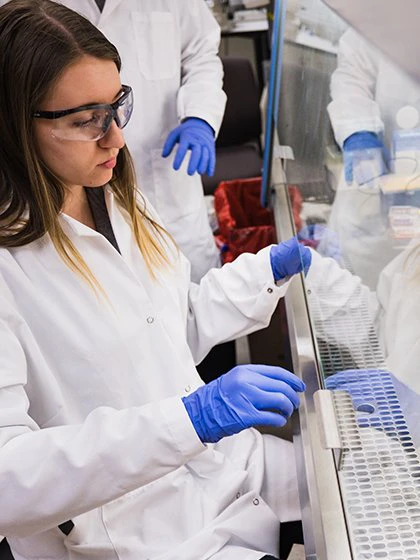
(169, 50)
(110, 444)
(371, 100)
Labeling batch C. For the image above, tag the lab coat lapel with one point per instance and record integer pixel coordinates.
(110, 6)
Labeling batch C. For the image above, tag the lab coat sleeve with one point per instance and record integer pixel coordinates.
(232, 301)
(50, 475)
(353, 84)
(343, 309)
(201, 94)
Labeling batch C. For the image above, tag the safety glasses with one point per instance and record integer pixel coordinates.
(90, 122)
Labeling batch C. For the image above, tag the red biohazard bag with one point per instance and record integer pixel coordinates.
(245, 226)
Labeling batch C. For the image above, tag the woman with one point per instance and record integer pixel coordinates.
(169, 49)
(106, 430)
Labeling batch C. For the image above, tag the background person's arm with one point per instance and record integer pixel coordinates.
(353, 84)
(201, 94)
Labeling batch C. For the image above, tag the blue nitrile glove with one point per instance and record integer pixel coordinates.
(246, 396)
(289, 258)
(195, 135)
(364, 157)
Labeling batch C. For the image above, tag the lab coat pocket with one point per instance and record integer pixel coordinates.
(155, 518)
(48, 545)
(156, 45)
(177, 194)
(88, 538)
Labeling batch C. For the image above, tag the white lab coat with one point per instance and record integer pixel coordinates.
(92, 423)
(169, 57)
(359, 217)
(398, 320)
(367, 91)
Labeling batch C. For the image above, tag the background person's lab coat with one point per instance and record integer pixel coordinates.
(368, 91)
(169, 57)
(92, 426)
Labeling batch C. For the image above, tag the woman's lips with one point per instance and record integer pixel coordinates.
(110, 163)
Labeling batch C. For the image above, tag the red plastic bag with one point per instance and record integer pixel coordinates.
(245, 226)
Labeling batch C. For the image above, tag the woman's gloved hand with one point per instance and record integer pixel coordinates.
(195, 135)
(248, 395)
(364, 157)
(289, 258)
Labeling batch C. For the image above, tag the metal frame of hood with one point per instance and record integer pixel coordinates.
(324, 525)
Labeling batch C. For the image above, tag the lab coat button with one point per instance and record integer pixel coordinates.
(238, 495)
(270, 290)
(150, 320)
(256, 501)
(188, 388)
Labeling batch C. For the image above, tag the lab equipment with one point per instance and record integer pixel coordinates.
(406, 152)
(404, 221)
(367, 401)
(288, 258)
(195, 135)
(246, 396)
(89, 123)
(364, 157)
(377, 397)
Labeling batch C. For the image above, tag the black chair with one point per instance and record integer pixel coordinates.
(238, 147)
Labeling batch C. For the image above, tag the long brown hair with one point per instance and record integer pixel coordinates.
(38, 40)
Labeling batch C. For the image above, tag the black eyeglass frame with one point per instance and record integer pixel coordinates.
(111, 107)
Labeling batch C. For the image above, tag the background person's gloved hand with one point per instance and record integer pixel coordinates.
(323, 239)
(246, 396)
(364, 157)
(288, 258)
(197, 136)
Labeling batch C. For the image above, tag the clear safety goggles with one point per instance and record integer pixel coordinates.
(90, 122)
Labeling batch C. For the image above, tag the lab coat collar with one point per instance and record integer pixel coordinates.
(85, 231)
(110, 6)
(120, 222)
(77, 227)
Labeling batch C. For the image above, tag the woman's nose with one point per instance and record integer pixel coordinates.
(114, 137)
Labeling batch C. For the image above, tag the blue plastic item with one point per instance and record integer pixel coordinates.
(273, 101)
(246, 396)
(197, 136)
(361, 148)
